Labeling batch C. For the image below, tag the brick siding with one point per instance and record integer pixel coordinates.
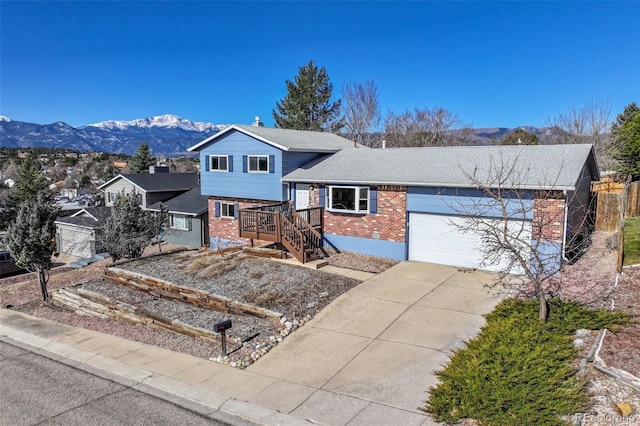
(548, 216)
(389, 223)
(227, 228)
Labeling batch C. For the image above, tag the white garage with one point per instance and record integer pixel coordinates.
(435, 238)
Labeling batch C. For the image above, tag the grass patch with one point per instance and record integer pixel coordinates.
(518, 370)
(632, 241)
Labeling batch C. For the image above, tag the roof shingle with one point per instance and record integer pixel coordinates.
(534, 166)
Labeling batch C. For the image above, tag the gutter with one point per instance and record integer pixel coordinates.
(420, 184)
(564, 229)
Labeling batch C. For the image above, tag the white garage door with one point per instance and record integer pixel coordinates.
(76, 242)
(436, 239)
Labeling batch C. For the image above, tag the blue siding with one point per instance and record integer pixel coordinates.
(236, 183)
(294, 160)
(550, 253)
(382, 248)
(454, 201)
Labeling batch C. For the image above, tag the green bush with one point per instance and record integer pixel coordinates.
(518, 370)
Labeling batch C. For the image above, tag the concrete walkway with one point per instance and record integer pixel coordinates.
(368, 358)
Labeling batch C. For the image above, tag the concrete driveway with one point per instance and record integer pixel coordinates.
(370, 355)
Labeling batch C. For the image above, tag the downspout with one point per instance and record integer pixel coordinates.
(564, 230)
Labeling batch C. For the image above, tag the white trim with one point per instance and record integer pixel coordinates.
(172, 223)
(231, 128)
(356, 201)
(212, 156)
(224, 203)
(258, 163)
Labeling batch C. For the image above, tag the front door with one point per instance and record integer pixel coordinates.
(302, 196)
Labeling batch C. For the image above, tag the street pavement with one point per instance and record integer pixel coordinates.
(38, 390)
(366, 359)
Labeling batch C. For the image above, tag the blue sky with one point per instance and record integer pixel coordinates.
(493, 63)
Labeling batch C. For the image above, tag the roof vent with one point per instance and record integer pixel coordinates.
(258, 123)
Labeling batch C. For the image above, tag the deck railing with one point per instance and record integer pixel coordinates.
(300, 231)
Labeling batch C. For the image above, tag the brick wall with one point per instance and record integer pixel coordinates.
(548, 216)
(227, 228)
(389, 223)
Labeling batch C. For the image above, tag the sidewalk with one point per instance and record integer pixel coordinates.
(366, 359)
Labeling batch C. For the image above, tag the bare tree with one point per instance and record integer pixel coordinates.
(361, 108)
(158, 223)
(518, 226)
(590, 124)
(425, 127)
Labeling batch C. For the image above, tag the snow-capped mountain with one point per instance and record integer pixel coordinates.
(165, 134)
(167, 120)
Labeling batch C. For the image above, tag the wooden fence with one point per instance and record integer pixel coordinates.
(614, 204)
(632, 199)
(613, 207)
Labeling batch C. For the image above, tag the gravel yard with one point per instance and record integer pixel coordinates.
(272, 284)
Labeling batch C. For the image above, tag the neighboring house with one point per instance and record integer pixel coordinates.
(76, 234)
(400, 203)
(188, 220)
(152, 187)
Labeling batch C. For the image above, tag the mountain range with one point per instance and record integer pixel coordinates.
(167, 135)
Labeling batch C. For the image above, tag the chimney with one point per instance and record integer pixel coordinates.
(257, 123)
(158, 169)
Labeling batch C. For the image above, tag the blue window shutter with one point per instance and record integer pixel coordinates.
(235, 210)
(206, 163)
(244, 164)
(321, 196)
(189, 225)
(373, 200)
(272, 164)
(230, 163)
(217, 209)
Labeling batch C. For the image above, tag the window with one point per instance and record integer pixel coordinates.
(179, 221)
(353, 199)
(218, 163)
(111, 196)
(258, 163)
(227, 210)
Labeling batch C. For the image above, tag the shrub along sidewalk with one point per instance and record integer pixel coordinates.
(519, 370)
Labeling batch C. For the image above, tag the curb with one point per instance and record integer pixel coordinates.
(204, 402)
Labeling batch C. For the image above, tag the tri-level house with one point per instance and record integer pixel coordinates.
(308, 190)
(241, 171)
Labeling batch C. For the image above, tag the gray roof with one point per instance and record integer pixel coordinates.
(90, 217)
(191, 202)
(286, 139)
(159, 182)
(534, 166)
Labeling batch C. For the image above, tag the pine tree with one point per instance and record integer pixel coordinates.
(630, 111)
(30, 183)
(307, 105)
(142, 159)
(31, 239)
(110, 171)
(628, 138)
(126, 231)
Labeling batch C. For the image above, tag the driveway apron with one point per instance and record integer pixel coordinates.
(378, 345)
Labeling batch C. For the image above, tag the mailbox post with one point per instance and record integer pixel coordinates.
(221, 328)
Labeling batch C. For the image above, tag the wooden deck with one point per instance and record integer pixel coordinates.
(300, 231)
